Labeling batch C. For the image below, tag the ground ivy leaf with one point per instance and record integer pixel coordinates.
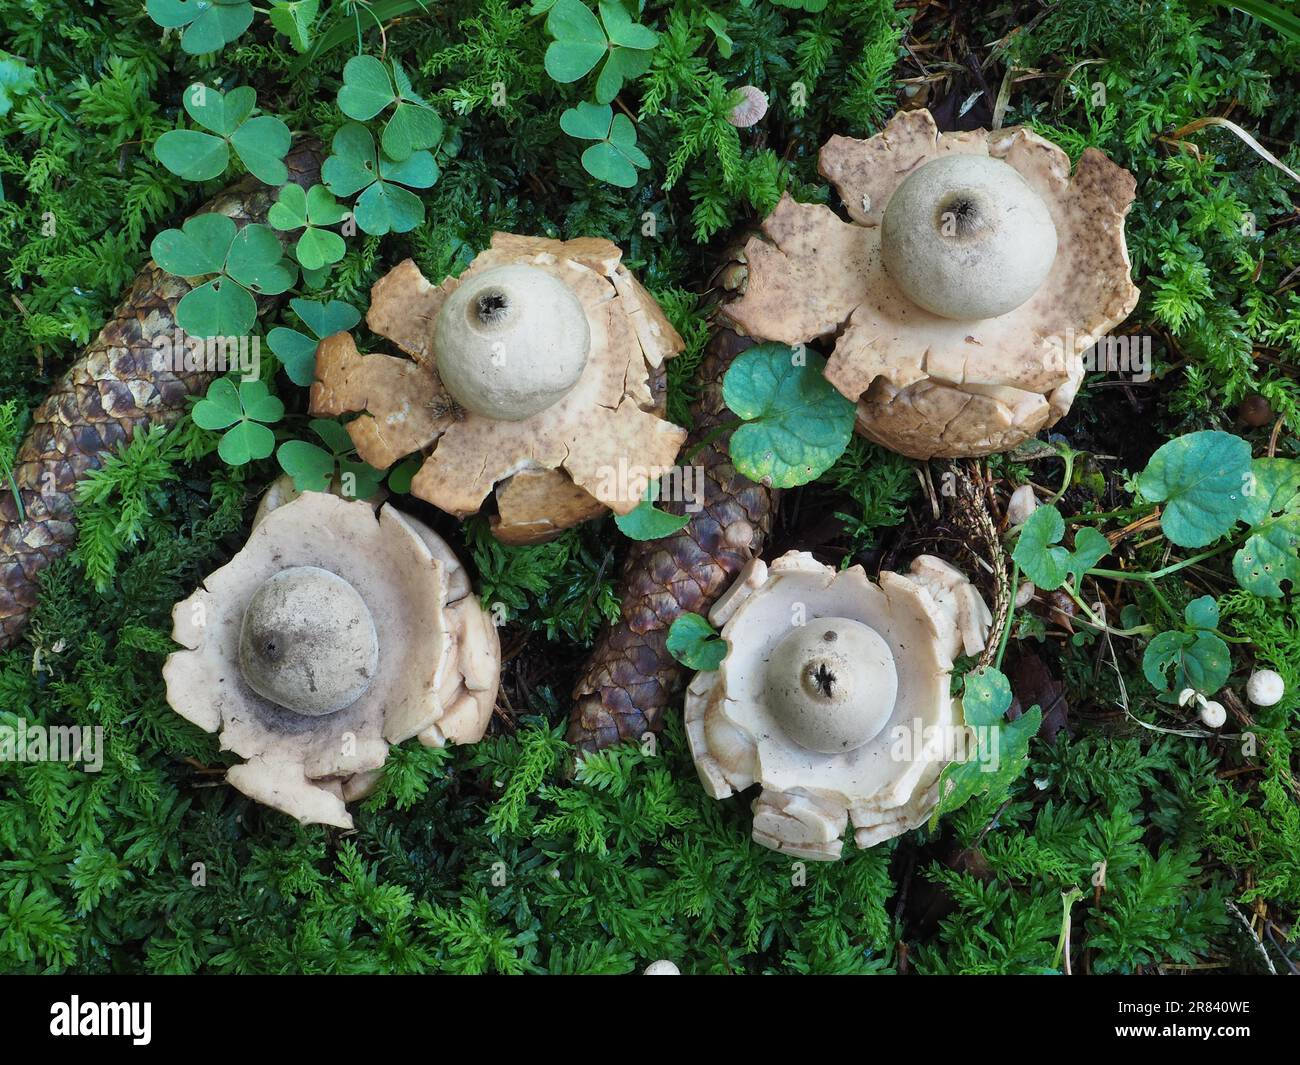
(1090, 547)
(695, 643)
(1201, 478)
(796, 423)
(1173, 661)
(647, 522)
(1202, 613)
(1269, 557)
(986, 696)
(1035, 553)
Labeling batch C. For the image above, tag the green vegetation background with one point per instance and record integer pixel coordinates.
(489, 859)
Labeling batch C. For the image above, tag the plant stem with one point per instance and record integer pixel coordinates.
(1160, 574)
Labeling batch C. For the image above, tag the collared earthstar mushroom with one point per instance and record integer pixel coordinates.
(537, 375)
(972, 275)
(834, 697)
(333, 633)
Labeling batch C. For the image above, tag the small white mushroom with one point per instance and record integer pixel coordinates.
(1265, 687)
(1189, 695)
(663, 967)
(1024, 594)
(751, 108)
(1021, 505)
(511, 342)
(1213, 715)
(848, 715)
(966, 238)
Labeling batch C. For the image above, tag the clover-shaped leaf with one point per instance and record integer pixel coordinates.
(309, 210)
(1049, 565)
(1268, 557)
(210, 24)
(261, 143)
(245, 261)
(695, 643)
(1201, 478)
(616, 158)
(296, 350)
(383, 205)
(314, 468)
(647, 522)
(370, 86)
(1195, 658)
(296, 19)
(796, 423)
(582, 41)
(241, 413)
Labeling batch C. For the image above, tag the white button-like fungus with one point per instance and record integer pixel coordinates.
(1265, 687)
(1021, 505)
(511, 342)
(834, 697)
(332, 633)
(966, 238)
(663, 967)
(974, 272)
(537, 375)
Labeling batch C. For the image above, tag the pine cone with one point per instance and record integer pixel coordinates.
(631, 679)
(101, 399)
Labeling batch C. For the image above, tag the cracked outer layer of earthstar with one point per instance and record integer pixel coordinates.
(594, 447)
(834, 697)
(358, 629)
(928, 385)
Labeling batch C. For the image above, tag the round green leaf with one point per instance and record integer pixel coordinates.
(695, 643)
(1201, 478)
(986, 696)
(646, 522)
(1269, 557)
(1177, 660)
(192, 155)
(797, 424)
(579, 41)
